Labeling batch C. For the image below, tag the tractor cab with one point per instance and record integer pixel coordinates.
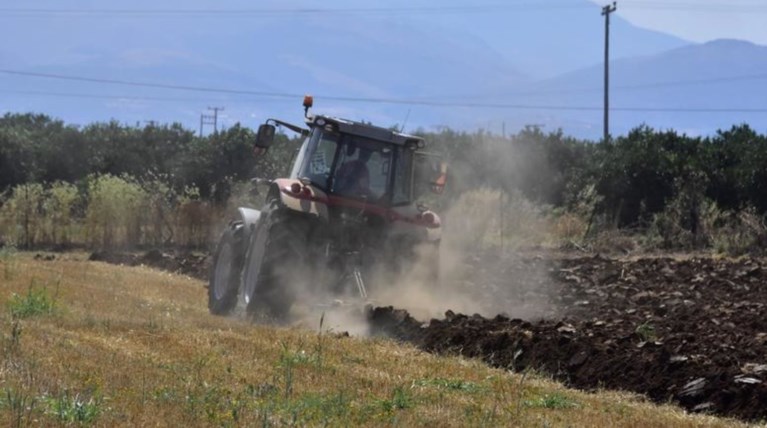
(343, 159)
(357, 161)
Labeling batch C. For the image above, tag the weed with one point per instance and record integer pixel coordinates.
(647, 332)
(290, 359)
(552, 401)
(297, 358)
(450, 384)
(165, 394)
(400, 400)
(153, 326)
(20, 405)
(36, 302)
(12, 343)
(318, 349)
(520, 389)
(74, 409)
(320, 408)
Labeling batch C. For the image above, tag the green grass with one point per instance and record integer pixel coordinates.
(552, 401)
(37, 301)
(67, 408)
(450, 384)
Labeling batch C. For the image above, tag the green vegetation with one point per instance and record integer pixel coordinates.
(35, 302)
(552, 401)
(114, 185)
(68, 409)
(647, 332)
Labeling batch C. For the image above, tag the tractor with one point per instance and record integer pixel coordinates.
(347, 218)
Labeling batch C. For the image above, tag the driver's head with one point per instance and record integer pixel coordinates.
(365, 154)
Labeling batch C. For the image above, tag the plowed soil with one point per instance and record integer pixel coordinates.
(693, 332)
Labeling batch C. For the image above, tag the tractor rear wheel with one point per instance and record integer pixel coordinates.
(277, 264)
(224, 280)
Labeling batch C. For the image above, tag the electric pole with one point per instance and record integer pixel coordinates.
(606, 11)
(205, 119)
(215, 117)
(210, 119)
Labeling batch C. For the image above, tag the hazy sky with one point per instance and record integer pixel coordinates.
(699, 20)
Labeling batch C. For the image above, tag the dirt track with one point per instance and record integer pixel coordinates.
(693, 332)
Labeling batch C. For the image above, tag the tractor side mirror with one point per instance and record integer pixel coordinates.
(430, 174)
(440, 178)
(265, 136)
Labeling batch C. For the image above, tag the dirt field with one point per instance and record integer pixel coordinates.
(691, 332)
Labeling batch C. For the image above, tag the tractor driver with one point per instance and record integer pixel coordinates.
(353, 176)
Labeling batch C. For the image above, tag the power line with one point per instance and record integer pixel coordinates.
(420, 100)
(650, 85)
(104, 97)
(526, 5)
(144, 84)
(482, 8)
(415, 102)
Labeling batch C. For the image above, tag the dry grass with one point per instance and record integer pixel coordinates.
(124, 346)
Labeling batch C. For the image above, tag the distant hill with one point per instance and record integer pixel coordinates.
(548, 41)
(695, 76)
(471, 57)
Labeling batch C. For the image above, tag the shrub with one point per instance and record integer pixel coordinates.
(58, 204)
(117, 207)
(22, 214)
(36, 302)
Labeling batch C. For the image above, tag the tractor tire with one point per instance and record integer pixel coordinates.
(226, 271)
(276, 264)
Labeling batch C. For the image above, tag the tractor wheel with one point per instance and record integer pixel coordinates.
(225, 274)
(277, 263)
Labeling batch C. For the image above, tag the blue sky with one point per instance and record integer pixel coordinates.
(699, 20)
(494, 46)
(695, 20)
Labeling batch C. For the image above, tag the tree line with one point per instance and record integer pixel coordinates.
(649, 178)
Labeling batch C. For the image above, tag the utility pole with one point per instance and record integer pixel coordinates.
(205, 119)
(215, 117)
(210, 119)
(606, 11)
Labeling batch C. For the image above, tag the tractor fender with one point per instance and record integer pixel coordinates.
(309, 200)
(249, 217)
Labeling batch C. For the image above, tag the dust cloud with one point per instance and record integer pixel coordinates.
(484, 266)
(476, 275)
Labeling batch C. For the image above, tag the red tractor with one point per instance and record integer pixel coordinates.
(345, 217)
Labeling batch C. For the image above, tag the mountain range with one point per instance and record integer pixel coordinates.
(387, 62)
